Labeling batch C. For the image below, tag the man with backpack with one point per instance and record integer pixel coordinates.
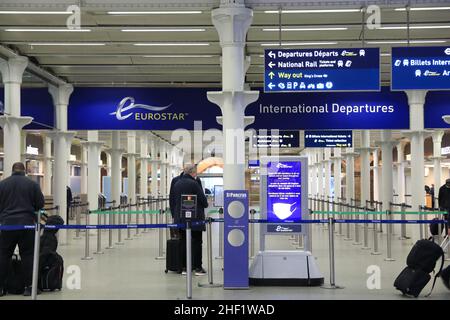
(20, 199)
(444, 201)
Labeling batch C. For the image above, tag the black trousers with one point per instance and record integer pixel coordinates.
(8, 241)
(196, 243)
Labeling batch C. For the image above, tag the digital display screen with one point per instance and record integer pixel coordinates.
(284, 191)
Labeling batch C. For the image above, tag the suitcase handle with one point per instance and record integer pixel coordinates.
(445, 243)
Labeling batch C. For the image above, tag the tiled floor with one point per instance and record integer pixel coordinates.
(130, 271)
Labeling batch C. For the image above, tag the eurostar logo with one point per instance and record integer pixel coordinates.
(284, 166)
(283, 229)
(123, 107)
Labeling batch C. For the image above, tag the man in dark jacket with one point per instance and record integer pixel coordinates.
(172, 195)
(188, 184)
(444, 201)
(20, 199)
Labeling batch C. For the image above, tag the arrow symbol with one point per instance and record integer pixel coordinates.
(271, 54)
(271, 64)
(271, 75)
(271, 85)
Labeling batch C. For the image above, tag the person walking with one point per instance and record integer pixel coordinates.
(20, 199)
(188, 184)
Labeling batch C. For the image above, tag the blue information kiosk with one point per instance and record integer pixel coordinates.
(284, 203)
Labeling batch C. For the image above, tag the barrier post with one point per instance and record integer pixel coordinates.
(188, 261)
(161, 237)
(332, 284)
(121, 212)
(137, 216)
(403, 226)
(129, 221)
(375, 251)
(252, 234)
(221, 224)
(210, 283)
(110, 231)
(340, 224)
(37, 239)
(86, 234)
(166, 216)
(420, 225)
(348, 235)
(78, 222)
(357, 240)
(144, 214)
(389, 237)
(99, 234)
(380, 206)
(366, 231)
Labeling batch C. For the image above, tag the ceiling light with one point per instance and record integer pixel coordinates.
(414, 27)
(35, 12)
(179, 56)
(165, 30)
(404, 41)
(46, 30)
(385, 54)
(314, 11)
(66, 44)
(297, 44)
(305, 29)
(172, 44)
(423, 9)
(153, 12)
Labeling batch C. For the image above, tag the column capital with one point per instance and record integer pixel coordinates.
(232, 22)
(437, 158)
(416, 96)
(409, 133)
(143, 158)
(382, 143)
(336, 158)
(6, 120)
(115, 152)
(60, 94)
(367, 149)
(238, 98)
(438, 135)
(68, 135)
(131, 154)
(350, 154)
(12, 69)
(92, 144)
(248, 120)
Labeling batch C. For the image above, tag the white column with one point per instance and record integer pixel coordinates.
(154, 167)
(327, 165)
(319, 168)
(365, 167)
(416, 101)
(349, 175)
(163, 169)
(387, 168)
(116, 167)
(108, 163)
(143, 192)
(313, 174)
(437, 169)
(232, 21)
(376, 176)
(401, 187)
(47, 141)
(131, 165)
(12, 122)
(337, 173)
(93, 188)
(84, 168)
(62, 142)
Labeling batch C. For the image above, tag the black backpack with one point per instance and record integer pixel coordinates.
(421, 262)
(436, 228)
(15, 282)
(51, 271)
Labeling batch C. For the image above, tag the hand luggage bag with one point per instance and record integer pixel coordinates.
(173, 255)
(15, 282)
(421, 262)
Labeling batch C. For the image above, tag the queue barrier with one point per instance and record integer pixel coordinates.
(330, 221)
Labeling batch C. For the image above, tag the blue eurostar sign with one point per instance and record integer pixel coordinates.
(350, 69)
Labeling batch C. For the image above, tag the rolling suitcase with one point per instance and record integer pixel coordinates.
(421, 262)
(173, 256)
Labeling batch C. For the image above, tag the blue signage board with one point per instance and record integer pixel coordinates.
(253, 163)
(276, 139)
(236, 239)
(420, 68)
(36, 103)
(299, 70)
(328, 139)
(141, 109)
(437, 105)
(331, 110)
(284, 191)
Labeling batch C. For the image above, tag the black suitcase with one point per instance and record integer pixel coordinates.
(421, 262)
(51, 271)
(173, 256)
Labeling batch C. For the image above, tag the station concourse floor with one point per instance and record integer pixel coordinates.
(131, 272)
